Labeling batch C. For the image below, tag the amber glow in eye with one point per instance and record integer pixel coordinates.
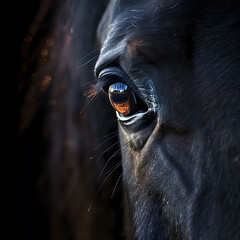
(122, 98)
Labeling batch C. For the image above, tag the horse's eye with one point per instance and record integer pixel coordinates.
(122, 98)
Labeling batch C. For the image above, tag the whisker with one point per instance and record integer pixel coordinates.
(103, 137)
(88, 61)
(113, 168)
(100, 189)
(114, 155)
(106, 141)
(95, 155)
(108, 174)
(107, 150)
(90, 53)
(114, 133)
(91, 101)
(84, 107)
(116, 184)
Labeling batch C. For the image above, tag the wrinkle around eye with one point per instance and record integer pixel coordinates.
(138, 129)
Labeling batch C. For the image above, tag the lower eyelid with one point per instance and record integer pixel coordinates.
(128, 120)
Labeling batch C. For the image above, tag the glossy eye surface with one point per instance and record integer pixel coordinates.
(122, 98)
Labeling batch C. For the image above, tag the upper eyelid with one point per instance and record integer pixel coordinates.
(116, 71)
(111, 75)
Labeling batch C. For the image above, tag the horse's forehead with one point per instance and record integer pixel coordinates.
(142, 5)
(133, 21)
(122, 15)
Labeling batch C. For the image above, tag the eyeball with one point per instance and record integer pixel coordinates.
(122, 98)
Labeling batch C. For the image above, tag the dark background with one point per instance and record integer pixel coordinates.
(30, 216)
(52, 189)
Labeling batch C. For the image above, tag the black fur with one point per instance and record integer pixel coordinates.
(182, 171)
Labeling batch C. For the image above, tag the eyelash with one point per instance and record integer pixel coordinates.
(105, 82)
(102, 84)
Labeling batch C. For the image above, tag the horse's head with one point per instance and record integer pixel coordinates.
(171, 70)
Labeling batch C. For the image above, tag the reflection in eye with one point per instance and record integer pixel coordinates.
(122, 98)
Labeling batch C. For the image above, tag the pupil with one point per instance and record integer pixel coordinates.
(119, 98)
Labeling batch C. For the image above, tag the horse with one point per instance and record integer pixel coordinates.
(141, 118)
(171, 72)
